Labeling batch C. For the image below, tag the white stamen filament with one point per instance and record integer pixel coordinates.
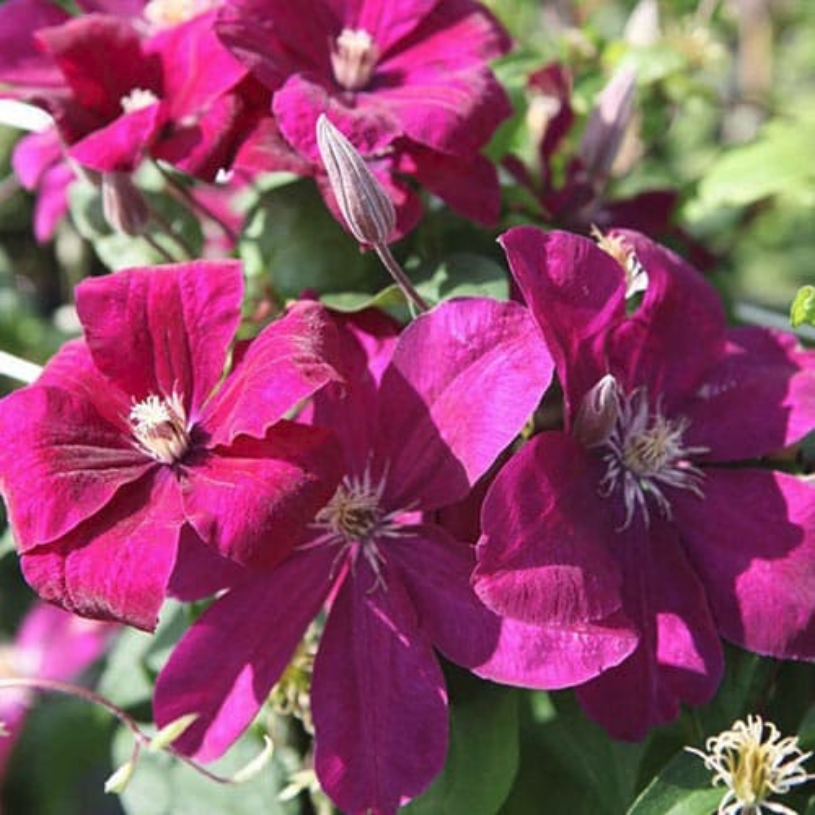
(137, 99)
(353, 59)
(160, 427)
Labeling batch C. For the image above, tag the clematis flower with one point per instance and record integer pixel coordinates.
(416, 437)
(407, 83)
(50, 644)
(637, 505)
(128, 475)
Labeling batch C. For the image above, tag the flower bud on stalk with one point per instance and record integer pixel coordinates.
(365, 206)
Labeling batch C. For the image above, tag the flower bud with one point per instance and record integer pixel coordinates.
(366, 207)
(607, 124)
(124, 206)
(598, 412)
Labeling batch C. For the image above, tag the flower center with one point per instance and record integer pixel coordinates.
(355, 518)
(754, 764)
(353, 58)
(636, 277)
(137, 99)
(644, 452)
(167, 13)
(160, 427)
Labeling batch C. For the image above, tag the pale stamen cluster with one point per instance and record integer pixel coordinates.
(645, 453)
(753, 766)
(137, 99)
(160, 427)
(168, 13)
(355, 519)
(353, 58)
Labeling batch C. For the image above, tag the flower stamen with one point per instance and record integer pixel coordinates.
(137, 99)
(753, 766)
(160, 427)
(644, 452)
(353, 58)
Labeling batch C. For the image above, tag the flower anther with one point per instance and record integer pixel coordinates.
(353, 58)
(754, 762)
(644, 452)
(160, 427)
(137, 99)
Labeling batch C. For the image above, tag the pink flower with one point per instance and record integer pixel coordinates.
(120, 463)
(636, 506)
(50, 644)
(416, 437)
(407, 83)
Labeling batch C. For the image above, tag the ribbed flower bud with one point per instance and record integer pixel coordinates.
(598, 412)
(124, 206)
(366, 207)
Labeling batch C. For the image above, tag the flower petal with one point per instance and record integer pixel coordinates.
(378, 699)
(61, 462)
(253, 499)
(443, 424)
(768, 381)
(656, 345)
(437, 572)
(285, 364)
(679, 658)
(115, 566)
(156, 330)
(577, 294)
(226, 664)
(752, 542)
(544, 556)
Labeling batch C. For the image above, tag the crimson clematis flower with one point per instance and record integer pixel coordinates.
(406, 82)
(123, 460)
(416, 437)
(51, 644)
(637, 504)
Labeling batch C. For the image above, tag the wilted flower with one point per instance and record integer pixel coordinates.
(754, 762)
(636, 505)
(128, 474)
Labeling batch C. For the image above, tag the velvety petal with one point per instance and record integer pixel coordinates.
(34, 154)
(22, 65)
(752, 542)
(199, 570)
(437, 572)
(286, 363)
(226, 664)
(454, 111)
(469, 185)
(115, 566)
(102, 60)
(378, 699)
(677, 333)
(370, 125)
(387, 23)
(61, 462)
(156, 330)
(121, 145)
(768, 381)
(545, 555)
(253, 499)
(196, 68)
(577, 294)
(366, 342)
(275, 38)
(679, 658)
(51, 205)
(443, 424)
(53, 644)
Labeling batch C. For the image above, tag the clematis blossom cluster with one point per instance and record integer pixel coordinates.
(649, 501)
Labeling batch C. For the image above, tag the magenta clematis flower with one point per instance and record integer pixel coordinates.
(637, 505)
(50, 644)
(128, 474)
(416, 437)
(407, 83)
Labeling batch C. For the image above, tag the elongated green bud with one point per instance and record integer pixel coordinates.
(366, 207)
